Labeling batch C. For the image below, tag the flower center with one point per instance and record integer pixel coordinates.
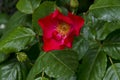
(63, 28)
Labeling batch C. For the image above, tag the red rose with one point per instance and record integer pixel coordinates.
(59, 30)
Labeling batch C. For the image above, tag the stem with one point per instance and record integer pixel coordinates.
(37, 34)
(111, 60)
(42, 75)
(73, 11)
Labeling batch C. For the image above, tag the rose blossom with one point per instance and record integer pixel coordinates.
(59, 30)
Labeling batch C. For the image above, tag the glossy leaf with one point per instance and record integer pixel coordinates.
(16, 40)
(98, 29)
(43, 10)
(81, 46)
(108, 27)
(28, 6)
(13, 70)
(113, 72)
(55, 64)
(42, 78)
(93, 66)
(88, 35)
(16, 20)
(73, 77)
(107, 10)
(112, 44)
(88, 30)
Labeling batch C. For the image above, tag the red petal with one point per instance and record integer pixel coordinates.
(48, 24)
(69, 40)
(78, 22)
(52, 44)
(59, 16)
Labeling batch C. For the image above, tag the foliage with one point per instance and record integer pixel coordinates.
(95, 53)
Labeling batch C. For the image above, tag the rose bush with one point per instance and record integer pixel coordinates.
(60, 40)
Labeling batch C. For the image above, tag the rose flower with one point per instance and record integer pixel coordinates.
(59, 30)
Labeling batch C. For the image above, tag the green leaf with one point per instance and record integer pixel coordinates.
(28, 6)
(107, 10)
(55, 64)
(42, 78)
(81, 46)
(63, 10)
(89, 27)
(16, 40)
(93, 66)
(98, 29)
(16, 20)
(108, 27)
(13, 70)
(112, 44)
(73, 77)
(43, 10)
(113, 72)
(88, 35)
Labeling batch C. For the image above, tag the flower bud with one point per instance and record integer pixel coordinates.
(74, 3)
(21, 56)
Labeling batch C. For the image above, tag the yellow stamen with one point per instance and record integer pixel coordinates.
(63, 28)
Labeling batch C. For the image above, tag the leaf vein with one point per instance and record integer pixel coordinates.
(62, 62)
